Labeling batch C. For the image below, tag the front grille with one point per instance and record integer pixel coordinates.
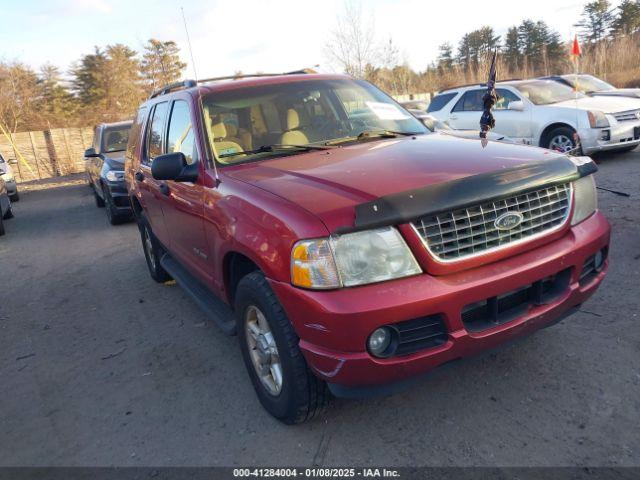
(458, 234)
(515, 303)
(419, 334)
(628, 116)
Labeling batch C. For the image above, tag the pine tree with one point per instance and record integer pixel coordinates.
(58, 105)
(511, 50)
(627, 20)
(161, 64)
(596, 21)
(445, 56)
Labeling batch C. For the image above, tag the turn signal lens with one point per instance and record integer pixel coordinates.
(313, 266)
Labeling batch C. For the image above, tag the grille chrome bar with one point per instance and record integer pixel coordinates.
(468, 232)
(627, 116)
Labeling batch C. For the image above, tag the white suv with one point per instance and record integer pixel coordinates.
(547, 114)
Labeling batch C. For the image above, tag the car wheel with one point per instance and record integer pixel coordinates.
(99, 201)
(285, 385)
(112, 212)
(9, 213)
(153, 252)
(2, 231)
(560, 139)
(15, 197)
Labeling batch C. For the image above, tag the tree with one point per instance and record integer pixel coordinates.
(58, 105)
(511, 49)
(352, 43)
(596, 21)
(108, 84)
(161, 64)
(445, 56)
(18, 96)
(627, 20)
(475, 46)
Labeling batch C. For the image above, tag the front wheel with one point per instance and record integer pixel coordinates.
(9, 213)
(15, 197)
(285, 386)
(152, 252)
(561, 139)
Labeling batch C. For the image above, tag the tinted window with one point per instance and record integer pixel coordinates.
(471, 101)
(440, 101)
(506, 97)
(114, 139)
(134, 134)
(180, 137)
(154, 140)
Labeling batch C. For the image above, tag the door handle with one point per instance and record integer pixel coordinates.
(453, 117)
(139, 176)
(164, 189)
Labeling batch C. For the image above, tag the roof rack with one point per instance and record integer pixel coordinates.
(483, 84)
(173, 86)
(303, 71)
(192, 83)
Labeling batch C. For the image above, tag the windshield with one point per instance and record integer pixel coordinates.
(240, 123)
(114, 139)
(588, 84)
(545, 92)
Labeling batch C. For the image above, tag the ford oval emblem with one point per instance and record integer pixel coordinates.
(508, 220)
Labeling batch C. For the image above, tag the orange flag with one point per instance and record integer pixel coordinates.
(575, 49)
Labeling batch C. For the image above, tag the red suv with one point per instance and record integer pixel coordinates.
(349, 248)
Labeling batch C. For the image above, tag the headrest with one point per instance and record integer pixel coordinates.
(219, 130)
(293, 120)
(232, 130)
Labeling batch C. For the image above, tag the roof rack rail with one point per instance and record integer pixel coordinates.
(173, 86)
(303, 71)
(476, 84)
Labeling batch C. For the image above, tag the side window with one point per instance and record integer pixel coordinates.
(471, 101)
(155, 131)
(440, 101)
(506, 97)
(134, 135)
(180, 137)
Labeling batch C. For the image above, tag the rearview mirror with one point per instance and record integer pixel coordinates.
(517, 105)
(90, 153)
(173, 166)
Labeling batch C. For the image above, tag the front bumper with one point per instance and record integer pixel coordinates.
(118, 193)
(620, 135)
(333, 326)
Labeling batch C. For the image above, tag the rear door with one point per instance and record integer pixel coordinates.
(183, 210)
(152, 197)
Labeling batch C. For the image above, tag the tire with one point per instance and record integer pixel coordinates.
(301, 395)
(2, 231)
(9, 213)
(560, 139)
(112, 212)
(99, 201)
(15, 197)
(153, 252)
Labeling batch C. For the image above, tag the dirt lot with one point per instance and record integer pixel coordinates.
(99, 365)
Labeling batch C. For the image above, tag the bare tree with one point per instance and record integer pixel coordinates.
(352, 44)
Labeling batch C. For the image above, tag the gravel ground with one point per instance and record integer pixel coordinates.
(99, 365)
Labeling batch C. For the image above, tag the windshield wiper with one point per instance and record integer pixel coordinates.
(368, 134)
(275, 148)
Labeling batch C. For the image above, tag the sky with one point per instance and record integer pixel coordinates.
(254, 35)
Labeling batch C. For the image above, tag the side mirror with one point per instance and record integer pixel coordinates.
(173, 166)
(90, 153)
(517, 105)
(429, 123)
(13, 161)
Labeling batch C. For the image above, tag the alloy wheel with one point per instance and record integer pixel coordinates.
(561, 143)
(148, 246)
(263, 350)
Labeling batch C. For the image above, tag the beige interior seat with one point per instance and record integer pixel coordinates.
(221, 143)
(293, 135)
(238, 135)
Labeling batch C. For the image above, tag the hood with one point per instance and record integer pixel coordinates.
(331, 183)
(604, 103)
(619, 92)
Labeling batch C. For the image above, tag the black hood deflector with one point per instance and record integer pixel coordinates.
(407, 206)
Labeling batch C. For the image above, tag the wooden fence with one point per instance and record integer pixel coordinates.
(50, 153)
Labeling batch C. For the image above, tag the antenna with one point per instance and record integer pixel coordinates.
(195, 74)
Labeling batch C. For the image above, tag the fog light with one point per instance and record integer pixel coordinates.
(605, 135)
(380, 341)
(598, 260)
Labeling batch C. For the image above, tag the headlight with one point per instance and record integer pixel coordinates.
(597, 119)
(352, 259)
(7, 177)
(585, 199)
(114, 175)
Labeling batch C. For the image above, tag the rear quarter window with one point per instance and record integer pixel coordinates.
(440, 101)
